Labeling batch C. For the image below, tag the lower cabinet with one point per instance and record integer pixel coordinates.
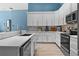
(46, 37)
(25, 50)
(58, 39)
(73, 46)
(51, 37)
(33, 45)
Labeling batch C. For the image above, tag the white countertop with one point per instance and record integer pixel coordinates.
(74, 36)
(15, 41)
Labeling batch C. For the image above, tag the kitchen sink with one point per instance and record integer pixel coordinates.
(25, 34)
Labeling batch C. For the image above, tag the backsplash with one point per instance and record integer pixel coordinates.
(44, 28)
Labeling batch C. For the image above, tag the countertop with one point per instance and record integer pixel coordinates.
(74, 36)
(15, 41)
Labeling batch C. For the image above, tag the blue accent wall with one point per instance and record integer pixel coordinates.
(18, 17)
(43, 6)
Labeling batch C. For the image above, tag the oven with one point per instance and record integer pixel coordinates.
(65, 44)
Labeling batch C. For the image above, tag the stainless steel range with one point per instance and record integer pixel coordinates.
(65, 44)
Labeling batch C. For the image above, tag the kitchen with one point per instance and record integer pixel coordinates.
(38, 29)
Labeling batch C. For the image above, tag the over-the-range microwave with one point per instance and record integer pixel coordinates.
(72, 17)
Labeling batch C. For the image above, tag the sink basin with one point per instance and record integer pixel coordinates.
(26, 35)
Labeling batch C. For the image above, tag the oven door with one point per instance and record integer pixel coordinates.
(65, 43)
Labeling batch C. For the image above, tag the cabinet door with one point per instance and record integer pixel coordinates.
(27, 49)
(58, 39)
(50, 37)
(34, 19)
(73, 46)
(39, 19)
(56, 19)
(50, 19)
(44, 19)
(39, 37)
(43, 36)
(61, 18)
(74, 6)
(29, 19)
(67, 8)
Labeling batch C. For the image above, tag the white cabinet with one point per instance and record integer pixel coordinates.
(40, 19)
(44, 19)
(67, 8)
(58, 38)
(50, 19)
(60, 16)
(46, 37)
(74, 7)
(63, 11)
(73, 46)
(41, 37)
(51, 37)
(29, 19)
(56, 18)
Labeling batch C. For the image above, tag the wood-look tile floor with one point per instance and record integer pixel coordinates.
(48, 50)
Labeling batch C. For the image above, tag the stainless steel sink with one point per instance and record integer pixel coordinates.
(25, 34)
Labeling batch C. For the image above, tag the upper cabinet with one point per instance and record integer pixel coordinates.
(64, 10)
(73, 7)
(13, 6)
(54, 18)
(41, 19)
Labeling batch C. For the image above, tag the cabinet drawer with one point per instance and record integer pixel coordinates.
(73, 45)
(73, 39)
(73, 52)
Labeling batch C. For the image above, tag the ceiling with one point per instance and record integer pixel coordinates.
(44, 6)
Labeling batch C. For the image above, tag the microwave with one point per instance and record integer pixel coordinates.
(68, 18)
(72, 17)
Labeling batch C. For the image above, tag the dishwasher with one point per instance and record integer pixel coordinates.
(25, 49)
